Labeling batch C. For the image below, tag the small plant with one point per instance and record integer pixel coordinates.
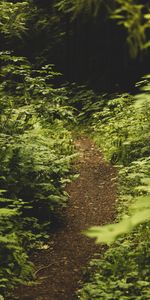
(15, 265)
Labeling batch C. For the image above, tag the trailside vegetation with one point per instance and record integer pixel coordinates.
(96, 43)
(121, 129)
(36, 151)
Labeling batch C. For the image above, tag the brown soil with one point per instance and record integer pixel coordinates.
(92, 202)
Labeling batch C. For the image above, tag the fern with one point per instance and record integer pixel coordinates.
(13, 18)
(121, 129)
(36, 152)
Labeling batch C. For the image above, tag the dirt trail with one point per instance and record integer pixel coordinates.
(92, 202)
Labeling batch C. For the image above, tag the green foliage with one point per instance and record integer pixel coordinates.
(15, 265)
(78, 6)
(35, 162)
(130, 15)
(109, 233)
(121, 129)
(36, 152)
(125, 124)
(13, 17)
(123, 272)
(85, 102)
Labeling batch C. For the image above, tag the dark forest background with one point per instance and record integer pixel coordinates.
(85, 47)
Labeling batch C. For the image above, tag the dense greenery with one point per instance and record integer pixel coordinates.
(36, 150)
(86, 40)
(104, 44)
(121, 129)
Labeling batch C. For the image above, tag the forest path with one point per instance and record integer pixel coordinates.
(92, 202)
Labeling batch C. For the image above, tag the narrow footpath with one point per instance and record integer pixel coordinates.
(91, 202)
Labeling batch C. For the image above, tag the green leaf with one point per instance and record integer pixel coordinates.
(6, 212)
(109, 233)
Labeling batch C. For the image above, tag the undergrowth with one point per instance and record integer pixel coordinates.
(122, 128)
(36, 152)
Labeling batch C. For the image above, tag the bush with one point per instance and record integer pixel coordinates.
(36, 152)
(123, 272)
(121, 129)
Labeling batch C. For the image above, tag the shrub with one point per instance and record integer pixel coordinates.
(36, 152)
(121, 129)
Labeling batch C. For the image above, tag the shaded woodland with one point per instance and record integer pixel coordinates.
(85, 47)
(75, 70)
